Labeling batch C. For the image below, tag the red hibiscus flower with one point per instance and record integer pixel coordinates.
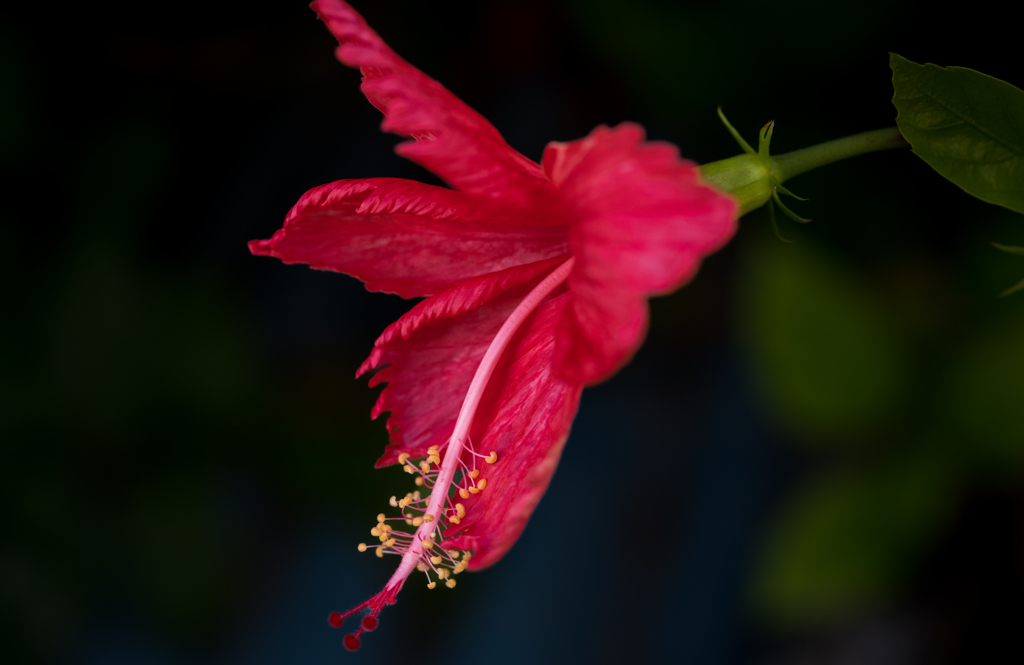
(535, 278)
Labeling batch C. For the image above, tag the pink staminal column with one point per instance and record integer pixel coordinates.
(422, 540)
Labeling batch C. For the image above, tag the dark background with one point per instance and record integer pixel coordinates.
(820, 442)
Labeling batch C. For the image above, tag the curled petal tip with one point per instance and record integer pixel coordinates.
(262, 247)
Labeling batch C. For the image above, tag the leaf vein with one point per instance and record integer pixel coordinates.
(970, 121)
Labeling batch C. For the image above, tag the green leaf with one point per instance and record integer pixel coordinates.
(966, 125)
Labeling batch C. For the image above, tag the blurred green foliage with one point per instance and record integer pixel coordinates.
(835, 364)
(877, 349)
(918, 412)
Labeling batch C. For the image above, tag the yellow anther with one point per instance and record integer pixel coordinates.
(409, 522)
(393, 501)
(380, 552)
(424, 467)
(453, 554)
(420, 568)
(474, 490)
(474, 473)
(417, 521)
(450, 584)
(431, 585)
(460, 510)
(428, 518)
(454, 520)
(415, 495)
(405, 502)
(466, 556)
(403, 458)
(459, 567)
(428, 543)
(386, 527)
(432, 450)
(383, 537)
(463, 493)
(375, 531)
(435, 560)
(442, 573)
(381, 517)
(419, 481)
(362, 547)
(492, 458)
(409, 468)
(482, 484)
(391, 542)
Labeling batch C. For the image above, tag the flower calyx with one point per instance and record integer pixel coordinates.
(754, 178)
(1009, 249)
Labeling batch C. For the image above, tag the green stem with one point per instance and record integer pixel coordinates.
(794, 163)
(754, 178)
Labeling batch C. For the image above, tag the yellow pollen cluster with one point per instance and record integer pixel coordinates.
(434, 561)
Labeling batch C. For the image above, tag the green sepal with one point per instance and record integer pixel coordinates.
(764, 140)
(775, 225)
(1013, 289)
(789, 213)
(1009, 249)
(783, 190)
(735, 134)
(734, 175)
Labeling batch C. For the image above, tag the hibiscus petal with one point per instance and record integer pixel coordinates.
(433, 351)
(451, 139)
(640, 223)
(404, 237)
(525, 417)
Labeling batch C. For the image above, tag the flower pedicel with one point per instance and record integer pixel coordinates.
(535, 278)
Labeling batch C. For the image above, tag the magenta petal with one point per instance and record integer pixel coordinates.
(432, 352)
(640, 223)
(451, 139)
(524, 417)
(404, 237)
(574, 247)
